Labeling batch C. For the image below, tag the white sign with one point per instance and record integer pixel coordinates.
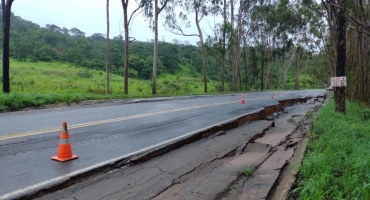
(338, 81)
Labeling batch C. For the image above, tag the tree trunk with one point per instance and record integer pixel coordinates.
(297, 72)
(155, 57)
(339, 93)
(305, 75)
(203, 46)
(204, 62)
(362, 67)
(107, 51)
(125, 24)
(223, 50)
(262, 68)
(157, 11)
(245, 69)
(236, 50)
(6, 8)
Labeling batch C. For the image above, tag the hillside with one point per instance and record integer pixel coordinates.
(42, 83)
(31, 43)
(56, 77)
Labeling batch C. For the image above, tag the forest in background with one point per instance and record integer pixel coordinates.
(32, 43)
(270, 44)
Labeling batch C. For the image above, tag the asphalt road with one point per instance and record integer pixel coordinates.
(105, 132)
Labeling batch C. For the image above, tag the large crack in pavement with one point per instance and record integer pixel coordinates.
(203, 166)
(285, 139)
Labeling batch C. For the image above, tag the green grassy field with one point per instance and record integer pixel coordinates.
(45, 77)
(337, 164)
(37, 84)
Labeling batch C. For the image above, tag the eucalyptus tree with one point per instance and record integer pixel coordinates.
(6, 9)
(238, 33)
(223, 52)
(357, 53)
(339, 93)
(215, 48)
(337, 20)
(259, 31)
(200, 9)
(107, 52)
(148, 7)
(126, 22)
(218, 41)
(225, 27)
(350, 17)
(278, 27)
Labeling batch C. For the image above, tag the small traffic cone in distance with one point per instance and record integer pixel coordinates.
(65, 148)
(272, 96)
(242, 101)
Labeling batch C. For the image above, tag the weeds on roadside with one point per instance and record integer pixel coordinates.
(337, 164)
(309, 114)
(247, 171)
(17, 101)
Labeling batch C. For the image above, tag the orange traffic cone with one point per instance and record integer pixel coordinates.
(272, 96)
(64, 149)
(242, 101)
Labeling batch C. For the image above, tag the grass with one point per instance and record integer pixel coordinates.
(38, 84)
(309, 114)
(247, 171)
(337, 164)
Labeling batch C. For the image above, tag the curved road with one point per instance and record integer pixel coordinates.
(105, 132)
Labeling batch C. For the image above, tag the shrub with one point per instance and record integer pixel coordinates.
(34, 59)
(84, 73)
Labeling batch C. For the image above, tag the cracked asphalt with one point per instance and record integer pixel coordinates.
(103, 133)
(210, 168)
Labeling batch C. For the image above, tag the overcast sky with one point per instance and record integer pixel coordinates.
(89, 16)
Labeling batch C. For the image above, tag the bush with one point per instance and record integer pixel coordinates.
(132, 73)
(84, 73)
(34, 59)
(45, 58)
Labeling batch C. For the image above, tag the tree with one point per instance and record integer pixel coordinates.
(200, 10)
(339, 93)
(236, 38)
(107, 51)
(76, 32)
(223, 48)
(337, 20)
(157, 11)
(126, 23)
(6, 8)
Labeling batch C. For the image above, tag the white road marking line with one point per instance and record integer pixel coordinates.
(38, 132)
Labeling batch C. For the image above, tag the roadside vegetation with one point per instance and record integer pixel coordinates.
(55, 64)
(337, 164)
(36, 84)
(42, 83)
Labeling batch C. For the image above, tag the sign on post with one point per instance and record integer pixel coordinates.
(338, 81)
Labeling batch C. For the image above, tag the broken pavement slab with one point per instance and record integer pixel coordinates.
(153, 178)
(285, 138)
